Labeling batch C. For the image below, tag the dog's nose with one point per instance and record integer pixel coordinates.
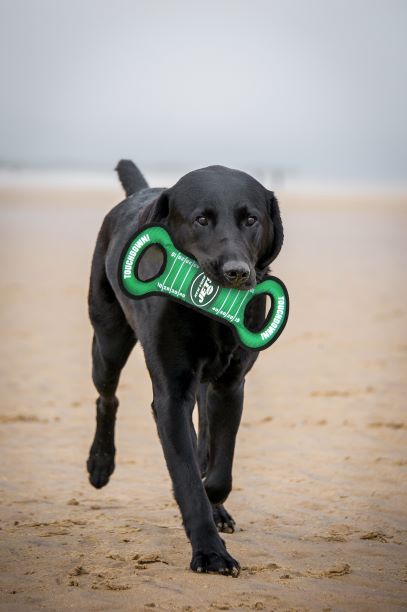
(236, 272)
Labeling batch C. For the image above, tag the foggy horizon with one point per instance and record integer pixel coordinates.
(313, 90)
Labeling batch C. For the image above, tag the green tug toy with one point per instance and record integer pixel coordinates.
(181, 279)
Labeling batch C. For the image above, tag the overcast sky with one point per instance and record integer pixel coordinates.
(314, 87)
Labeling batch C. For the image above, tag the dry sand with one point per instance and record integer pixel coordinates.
(320, 473)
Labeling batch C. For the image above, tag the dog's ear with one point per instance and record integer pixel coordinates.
(273, 240)
(158, 210)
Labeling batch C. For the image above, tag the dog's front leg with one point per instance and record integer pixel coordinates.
(174, 398)
(224, 411)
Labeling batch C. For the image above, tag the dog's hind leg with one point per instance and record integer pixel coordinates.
(113, 341)
(108, 360)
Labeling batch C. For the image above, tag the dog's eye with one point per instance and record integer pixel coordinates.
(202, 220)
(251, 220)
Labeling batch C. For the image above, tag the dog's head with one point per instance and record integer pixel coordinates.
(225, 219)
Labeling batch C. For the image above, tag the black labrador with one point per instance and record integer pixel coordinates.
(231, 224)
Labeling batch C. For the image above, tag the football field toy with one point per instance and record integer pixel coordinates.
(180, 278)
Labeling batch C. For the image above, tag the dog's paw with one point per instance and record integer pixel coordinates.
(100, 466)
(223, 521)
(214, 559)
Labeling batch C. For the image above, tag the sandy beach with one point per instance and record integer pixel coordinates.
(320, 493)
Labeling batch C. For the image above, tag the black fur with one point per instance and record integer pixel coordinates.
(130, 176)
(190, 357)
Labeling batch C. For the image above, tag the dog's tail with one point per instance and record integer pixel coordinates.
(130, 176)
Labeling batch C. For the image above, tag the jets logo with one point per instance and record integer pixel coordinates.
(203, 291)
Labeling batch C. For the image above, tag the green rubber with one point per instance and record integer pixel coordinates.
(183, 280)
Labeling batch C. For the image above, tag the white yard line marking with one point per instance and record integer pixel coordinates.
(224, 301)
(237, 295)
(173, 264)
(185, 277)
(176, 276)
(240, 305)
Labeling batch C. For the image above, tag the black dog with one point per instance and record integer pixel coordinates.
(231, 224)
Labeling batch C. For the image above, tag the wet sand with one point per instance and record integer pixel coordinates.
(320, 496)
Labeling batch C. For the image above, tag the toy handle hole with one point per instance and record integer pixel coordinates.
(259, 305)
(151, 263)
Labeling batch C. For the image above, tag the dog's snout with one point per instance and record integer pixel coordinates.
(236, 272)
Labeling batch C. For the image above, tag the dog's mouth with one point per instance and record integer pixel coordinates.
(211, 269)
